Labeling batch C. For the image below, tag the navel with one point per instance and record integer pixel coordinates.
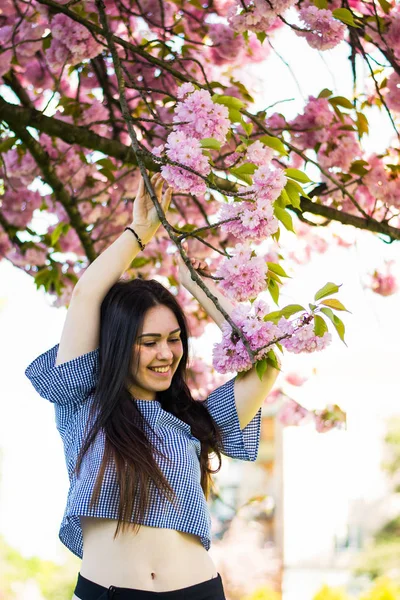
(153, 575)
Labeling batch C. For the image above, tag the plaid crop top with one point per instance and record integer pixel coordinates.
(70, 387)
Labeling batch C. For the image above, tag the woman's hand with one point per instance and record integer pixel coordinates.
(145, 220)
(184, 274)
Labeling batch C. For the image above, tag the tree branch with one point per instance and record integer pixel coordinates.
(138, 153)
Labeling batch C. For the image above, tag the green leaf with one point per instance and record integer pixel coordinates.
(8, 144)
(229, 101)
(234, 115)
(328, 289)
(284, 217)
(386, 7)
(338, 323)
(362, 124)
(275, 236)
(107, 163)
(46, 43)
(139, 261)
(261, 367)
(260, 35)
(109, 174)
(297, 175)
(321, 4)
(242, 89)
(248, 127)
(275, 268)
(245, 169)
(320, 327)
(274, 276)
(345, 16)
(325, 93)
(287, 311)
(293, 194)
(272, 360)
(61, 229)
(358, 167)
(284, 199)
(341, 101)
(273, 289)
(273, 142)
(210, 143)
(336, 304)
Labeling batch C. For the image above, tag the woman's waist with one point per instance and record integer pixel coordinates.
(154, 558)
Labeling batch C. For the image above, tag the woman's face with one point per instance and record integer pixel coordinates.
(159, 345)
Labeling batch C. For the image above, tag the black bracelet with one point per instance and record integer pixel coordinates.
(142, 246)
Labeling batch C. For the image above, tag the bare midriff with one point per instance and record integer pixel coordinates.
(154, 559)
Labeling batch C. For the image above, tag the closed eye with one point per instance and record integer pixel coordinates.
(152, 343)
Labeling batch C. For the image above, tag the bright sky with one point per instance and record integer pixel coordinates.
(362, 378)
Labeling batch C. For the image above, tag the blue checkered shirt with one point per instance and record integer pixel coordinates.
(70, 387)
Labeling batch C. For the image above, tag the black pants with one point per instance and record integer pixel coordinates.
(212, 589)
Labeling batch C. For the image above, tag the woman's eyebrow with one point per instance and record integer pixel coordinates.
(158, 334)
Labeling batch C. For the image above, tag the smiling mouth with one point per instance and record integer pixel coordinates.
(160, 372)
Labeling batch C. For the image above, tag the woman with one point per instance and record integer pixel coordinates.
(136, 444)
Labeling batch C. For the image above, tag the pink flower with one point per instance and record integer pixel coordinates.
(327, 32)
(305, 340)
(203, 118)
(292, 413)
(392, 96)
(253, 220)
(384, 284)
(311, 127)
(184, 89)
(259, 154)
(242, 279)
(71, 42)
(268, 183)
(295, 379)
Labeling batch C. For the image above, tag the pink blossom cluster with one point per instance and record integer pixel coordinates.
(392, 97)
(312, 127)
(71, 43)
(305, 340)
(254, 221)
(330, 417)
(231, 354)
(20, 168)
(292, 413)
(195, 117)
(295, 379)
(323, 30)
(243, 275)
(257, 15)
(187, 151)
(341, 150)
(157, 13)
(24, 37)
(229, 48)
(384, 282)
(18, 208)
(268, 183)
(199, 117)
(254, 217)
(392, 37)
(381, 183)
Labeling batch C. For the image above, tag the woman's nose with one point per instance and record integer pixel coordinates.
(165, 353)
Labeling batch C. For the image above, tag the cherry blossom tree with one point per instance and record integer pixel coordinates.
(96, 93)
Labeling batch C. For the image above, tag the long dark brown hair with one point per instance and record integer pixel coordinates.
(127, 445)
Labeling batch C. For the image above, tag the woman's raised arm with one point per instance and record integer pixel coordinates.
(82, 325)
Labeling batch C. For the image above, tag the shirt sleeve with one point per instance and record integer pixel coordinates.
(69, 382)
(236, 443)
